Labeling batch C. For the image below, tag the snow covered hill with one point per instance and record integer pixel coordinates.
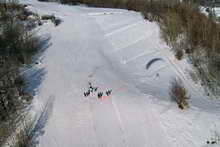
(110, 48)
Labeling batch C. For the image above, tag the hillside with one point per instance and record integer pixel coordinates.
(111, 49)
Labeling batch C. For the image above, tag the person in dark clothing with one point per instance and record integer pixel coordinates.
(91, 88)
(87, 93)
(108, 92)
(100, 95)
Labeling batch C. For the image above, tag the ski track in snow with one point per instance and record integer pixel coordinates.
(110, 48)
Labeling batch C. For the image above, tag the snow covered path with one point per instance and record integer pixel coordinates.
(109, 48)
(80, 53)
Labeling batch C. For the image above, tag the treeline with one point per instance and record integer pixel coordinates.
(18, 44)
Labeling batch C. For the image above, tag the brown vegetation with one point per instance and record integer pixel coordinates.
(55, 20)
(178, 93)
(18, 44)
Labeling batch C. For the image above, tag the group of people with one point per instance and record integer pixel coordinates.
(90, 90)
(94, 89)
(108, 92)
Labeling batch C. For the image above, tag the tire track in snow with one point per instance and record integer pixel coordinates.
(103, 13)
(138, 56)
(124, 28)
(116, 24)
(132, 59)
(129, 44)
(120, 122)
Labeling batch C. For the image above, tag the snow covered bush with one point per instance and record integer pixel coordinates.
(178, 93)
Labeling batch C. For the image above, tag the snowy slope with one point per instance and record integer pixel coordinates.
(217, 11)
(110, 48)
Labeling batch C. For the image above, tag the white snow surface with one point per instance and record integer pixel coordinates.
(110, 48)
(217, 11)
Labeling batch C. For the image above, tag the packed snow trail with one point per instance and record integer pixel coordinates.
(109, 48)
(79, 47)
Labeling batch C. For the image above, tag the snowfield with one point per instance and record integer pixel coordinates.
(110, 48)
(217, 11)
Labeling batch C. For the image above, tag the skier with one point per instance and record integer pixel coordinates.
(88, 93)
(90, 85)
(95, 89)
(85, 94)
(100, 95)
(108, 92)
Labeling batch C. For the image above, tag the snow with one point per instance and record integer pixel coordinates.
(217, 11)
(110, 48)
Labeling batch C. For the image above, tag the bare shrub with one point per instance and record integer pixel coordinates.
(47, 17)
(33, 128)
(57, 21)
(18, 45)
(24, 138)
(178, 93)
(179, 54)
(172, 26)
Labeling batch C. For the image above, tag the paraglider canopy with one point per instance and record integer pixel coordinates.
(152, 62)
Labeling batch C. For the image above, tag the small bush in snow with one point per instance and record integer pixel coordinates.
(179, 54)
(47, 17)
(52, 18)
(178, 93)
(57, 21)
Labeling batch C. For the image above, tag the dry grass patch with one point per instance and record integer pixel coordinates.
(178, 93)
